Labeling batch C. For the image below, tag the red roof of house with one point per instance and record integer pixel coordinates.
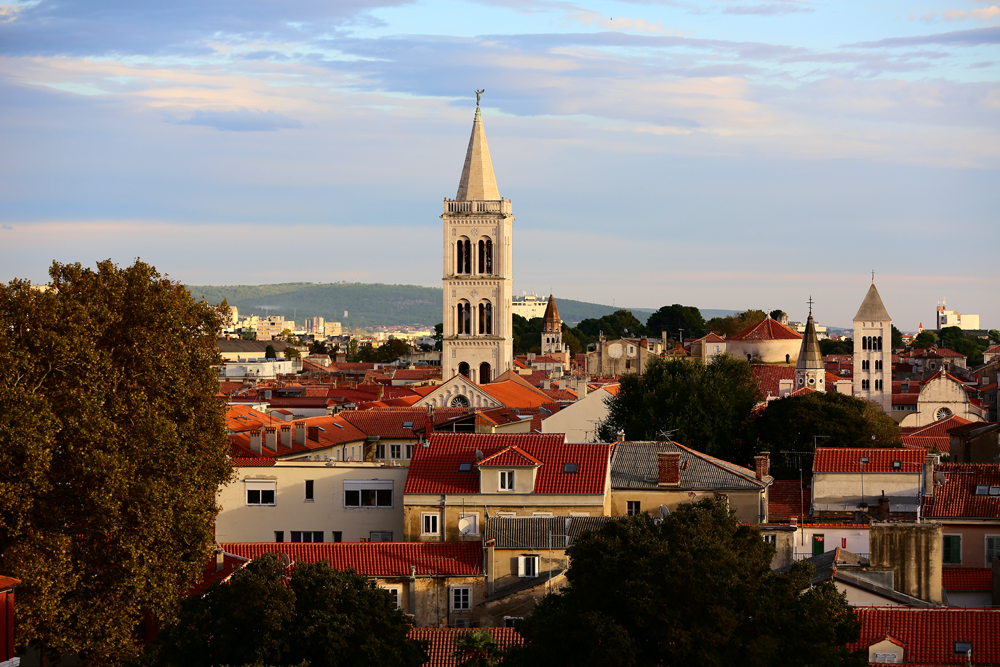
(377, 559)
(241, 418)
(967, 578)
(848, 460)
(928, 634)
(768, 329)
(993, 350)
(511, 456)
(933, 435)
(769, 377)
(787, 498)
(7, 583)
(435, 469)
(253, 462)
(228, 388)
(441, 643)
(515, 395)
(332, 431)
(957, 496)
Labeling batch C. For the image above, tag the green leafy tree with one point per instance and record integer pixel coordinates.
(795, 423)
(924, 340)
(112, 447)
(352, 349)
(778, 314)
(828, 346)
(995, 335)
(697, 589)
(292, 353)
(956, 339)
(477, 648)
(897, 338)
(731, 325)
(387, 352)
(570, 342)
(319, 347)
(439, 334)
(527, 334)
(269, 352)
(707, 407)
(323, 618)
(248, 334)
(612, 326)
(674, 318)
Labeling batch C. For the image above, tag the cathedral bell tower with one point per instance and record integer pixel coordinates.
(477, 339)
(873, 351)
(810, 371)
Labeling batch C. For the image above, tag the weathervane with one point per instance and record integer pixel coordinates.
(479, 94)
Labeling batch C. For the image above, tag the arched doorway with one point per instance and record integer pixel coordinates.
(484, 373)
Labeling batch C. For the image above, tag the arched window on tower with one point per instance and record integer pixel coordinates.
(880, 342)
(463, 369)
(484, 373)
(486, 318)
(486, 256)
(464, 317)
(864, 342)
(463, 263)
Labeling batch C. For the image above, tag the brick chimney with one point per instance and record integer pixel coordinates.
(670, 468)
(271, 438)
(429, 424)
(762, 464)
(286, 435)
(255, 439)
(300, 432)
(314, 433)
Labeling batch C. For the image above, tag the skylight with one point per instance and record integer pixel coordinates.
(896, 465)
(982, 489)
(407, 424)
(569, 468)
(465, 466)
(962, 648)
(995, 490)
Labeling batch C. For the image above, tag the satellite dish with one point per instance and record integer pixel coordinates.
(664, 512)
(464, 526)
(285, 560)
(479, 455)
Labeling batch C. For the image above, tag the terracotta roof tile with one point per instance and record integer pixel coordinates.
(515, 395)
(435, 469)
(511, 456)
(957, 496)
(967, 578)
(787, 498)
(928, 634)
(441, 643)
(768, 329)
(848, 460)
(377, 559)
(769, 377)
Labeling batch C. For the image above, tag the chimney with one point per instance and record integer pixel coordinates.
(762, 464)
(785, 387)
(314, 433)
(271, 438)
(286, 436)
(670, 468)
(255, 440)
(621, 436)
(929, 462)
(793, 521)
(220, 560)
(581, 389)
(300, 433)
(531, 357)
(546, 384)
(381, 391)
(883, 508)
(429, 424)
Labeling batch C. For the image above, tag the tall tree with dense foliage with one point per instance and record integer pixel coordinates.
(476, 648)
(616, 325)
(731, 325)
(321, 617)
(829, 419)
(697, 589)
(675, 318)
(707, 407)
(112, 448)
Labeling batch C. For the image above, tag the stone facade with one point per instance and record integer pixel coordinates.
(873, 351)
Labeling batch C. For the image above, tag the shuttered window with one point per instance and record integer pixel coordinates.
(953, 549)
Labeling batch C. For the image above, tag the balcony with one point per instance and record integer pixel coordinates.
(475, 206)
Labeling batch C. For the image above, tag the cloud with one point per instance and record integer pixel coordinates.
(972, 37)
(242, 120)
(767, 9)
(6, 227)
(622, 23)
(982, 15)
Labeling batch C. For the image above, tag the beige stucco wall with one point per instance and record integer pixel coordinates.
(913, 551)
(853, 538)
(501, 564)
(239, 522)
(431, 600)
(746, 504)
(580, 420)
(973, 540)
(766, 351)
(842, 489)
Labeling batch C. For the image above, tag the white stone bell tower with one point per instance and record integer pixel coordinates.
(478, 288)
(873, 351)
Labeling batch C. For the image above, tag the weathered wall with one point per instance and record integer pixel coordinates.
(746, 504)
(913, 551)
(476, 506)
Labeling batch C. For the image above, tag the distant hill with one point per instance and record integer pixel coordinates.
(369, 305)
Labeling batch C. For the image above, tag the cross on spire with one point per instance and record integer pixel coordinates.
(873, 276)
(810, 302)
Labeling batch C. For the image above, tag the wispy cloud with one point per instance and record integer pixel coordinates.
(622, 23)
(971, 37)
(982, 15)
(242, 120)
(768, 9)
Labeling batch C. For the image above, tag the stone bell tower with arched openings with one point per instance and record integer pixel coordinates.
(478, 287)
(873, 351)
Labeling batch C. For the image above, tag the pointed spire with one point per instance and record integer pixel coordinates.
(810, 357)
(872, 309)
(478, 181)
(551, 319)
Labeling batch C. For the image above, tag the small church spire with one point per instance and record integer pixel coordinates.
(478, 181)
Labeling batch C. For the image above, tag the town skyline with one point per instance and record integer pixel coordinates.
(762, 154)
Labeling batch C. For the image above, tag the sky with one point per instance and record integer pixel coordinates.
(725, 154)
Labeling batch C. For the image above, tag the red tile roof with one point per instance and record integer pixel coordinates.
(241, 418)
(993, 350)
(787, 498)
(7, 583)
(441, 643)
(516, 395)
(377, 559)
(933, 436)
(928, 634)
(768, 377)
(253, 462)
(512, 456)
(957, 496)
(211, 575)
(768, 329)
(332, 431)
(848, 460)
(967, 578)
(434, 469)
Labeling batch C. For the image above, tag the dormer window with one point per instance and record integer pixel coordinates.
(506, 480)
(896, 465)
(569, 468)
(465, 466)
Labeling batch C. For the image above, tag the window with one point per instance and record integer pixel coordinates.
(963, 648)
(336, 536)
(953, 549)
(307, 536)
(506, 480)
(465, 466)
(279, 536)
(380, 536)
(995, 490)
(887, 658)
(380, 451)
(429, 524)
(393, 593)
(395, 451)
(309, 490)
(633, 507)
(544, 514)
(896, 465)
(408, 449)
(992, 548)
(368, 493)
(569, 468)
(512, 621)
(260, 492)
(461, 598)
(771, 539)
(527, 566)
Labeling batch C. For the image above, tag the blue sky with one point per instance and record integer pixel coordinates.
(718, 153)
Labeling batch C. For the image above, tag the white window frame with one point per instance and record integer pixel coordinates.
(362, 485)
(527, 566)
(506, 480)
(542, 514)
(986, 546)
(260, 485)
(379, 451)
(770, 538)
(456, 595)
(432, 517)
(506, 515)
(395, 452)
(397, 593)
(408, 451)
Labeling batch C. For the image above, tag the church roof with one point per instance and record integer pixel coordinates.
(810, 357)
(872, 309)
(768, 329)
(478, 181)
(551, 310)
